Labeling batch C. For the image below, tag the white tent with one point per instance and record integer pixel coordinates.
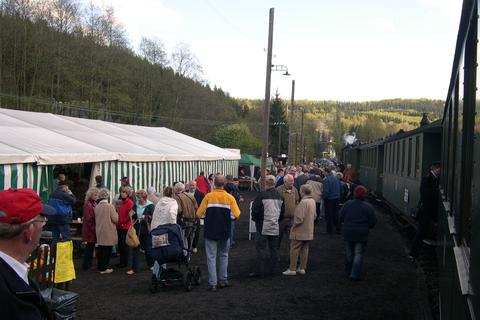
(152, 156)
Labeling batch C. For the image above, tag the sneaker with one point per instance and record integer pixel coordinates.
(289, 272)
(212, 288)
(225, 284)
(130, 272)
(194, 250)
(107, 271)
(301, 271)
(151, 268)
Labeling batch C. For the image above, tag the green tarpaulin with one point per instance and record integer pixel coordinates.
(251, 160)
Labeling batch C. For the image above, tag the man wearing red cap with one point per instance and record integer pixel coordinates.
(22, 217)
(358, 218)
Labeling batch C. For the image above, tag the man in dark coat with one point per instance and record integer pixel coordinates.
(22, 218)
(198, 195)
(358, 218)
(428, 209)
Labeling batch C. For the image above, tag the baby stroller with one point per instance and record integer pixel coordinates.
(169, 246)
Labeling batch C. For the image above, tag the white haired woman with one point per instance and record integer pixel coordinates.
(88, 227)
(106, 219)
(302, 232)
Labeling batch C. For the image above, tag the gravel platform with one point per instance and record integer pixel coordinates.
(392, 288)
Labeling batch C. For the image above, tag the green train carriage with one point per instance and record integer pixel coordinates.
(408, 156)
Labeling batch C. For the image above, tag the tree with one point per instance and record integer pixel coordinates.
(278, 131)
(153, 50)
(237, 136)
(185, 63)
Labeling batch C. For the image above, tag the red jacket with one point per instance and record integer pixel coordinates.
(88, 227)
(124, 220)
(203, 185)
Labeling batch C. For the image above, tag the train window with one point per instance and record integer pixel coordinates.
(392, 159)
(417, 157)
(409, 155)
(385, 159)
(397, 165)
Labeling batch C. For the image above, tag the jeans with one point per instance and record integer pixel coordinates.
(214, 248)
(354, 253)
(61, 232)
(265, 264)
(331, 214)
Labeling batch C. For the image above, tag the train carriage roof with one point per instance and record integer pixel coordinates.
(434, 127)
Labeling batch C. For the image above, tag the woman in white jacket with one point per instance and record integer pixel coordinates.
(166, 210)
(165, 213)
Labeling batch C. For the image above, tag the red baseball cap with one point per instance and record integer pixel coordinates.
(360, 192)
(22, 205)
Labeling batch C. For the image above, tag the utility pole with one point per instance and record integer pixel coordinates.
(279, 139)
(266, 107)
(291, 149)
(302, 142)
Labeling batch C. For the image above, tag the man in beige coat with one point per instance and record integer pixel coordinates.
(302, 232)
(290, 198)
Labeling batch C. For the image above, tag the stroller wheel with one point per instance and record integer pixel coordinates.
(153, 284)
(197, 276)
(187, 280)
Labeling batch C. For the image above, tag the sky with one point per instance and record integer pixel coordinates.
(346, 50)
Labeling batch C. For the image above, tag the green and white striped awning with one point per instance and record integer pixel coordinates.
(143, 175)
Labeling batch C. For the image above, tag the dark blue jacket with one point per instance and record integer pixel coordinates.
(358, 217)
(62, 202)
(331, 188)
(18, 299)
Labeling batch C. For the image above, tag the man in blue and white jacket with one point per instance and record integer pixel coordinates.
(267, 210)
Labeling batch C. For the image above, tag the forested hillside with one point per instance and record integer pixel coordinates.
(58, 56)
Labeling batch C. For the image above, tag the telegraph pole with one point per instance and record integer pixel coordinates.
(302, 142)
(266, 107)
(291, 149)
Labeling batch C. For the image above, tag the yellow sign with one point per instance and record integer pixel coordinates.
(64, 269)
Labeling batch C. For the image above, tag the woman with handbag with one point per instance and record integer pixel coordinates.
(106, 218)
(142, 218)
(125, 213)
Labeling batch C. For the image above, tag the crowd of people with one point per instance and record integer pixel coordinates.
(286, 211)
(295, 200)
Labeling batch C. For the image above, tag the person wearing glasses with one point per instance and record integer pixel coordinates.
(22, 217)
